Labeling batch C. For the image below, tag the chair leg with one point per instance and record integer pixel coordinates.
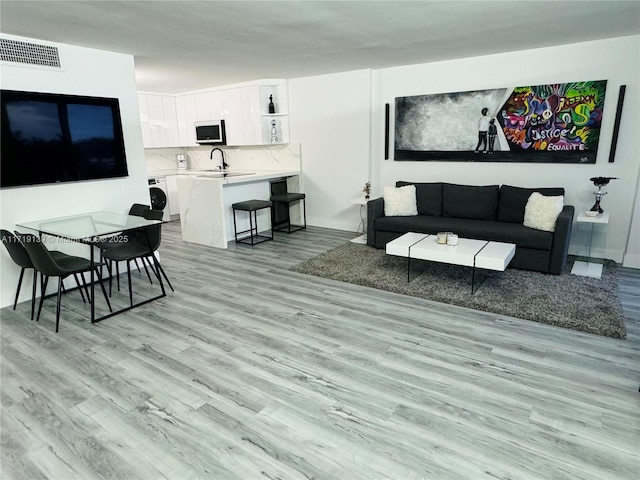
(15, 302)
(104, 291)
(107, 263)
(144, 264)
(109, 269)
(86, 287)
(44, 289)
(34, 291)
(75, 276)
(129, 279)
(58, 301)
(137, 264)
(235, 227)
(304, 212)
(152, 266)
(165, 277)
(118, 275)
(251, 225)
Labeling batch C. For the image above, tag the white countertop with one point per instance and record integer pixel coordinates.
(208, 175)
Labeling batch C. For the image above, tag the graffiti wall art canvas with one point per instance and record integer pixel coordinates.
(554, 123)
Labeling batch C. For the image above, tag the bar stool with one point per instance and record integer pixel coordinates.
(251, 206)
(282, 200)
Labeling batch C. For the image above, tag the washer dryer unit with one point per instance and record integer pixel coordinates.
(160, 196)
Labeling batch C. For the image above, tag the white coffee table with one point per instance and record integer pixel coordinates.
(481, 254)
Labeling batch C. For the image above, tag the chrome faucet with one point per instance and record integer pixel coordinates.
(224, 164)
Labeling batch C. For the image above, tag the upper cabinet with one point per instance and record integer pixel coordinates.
(196, 107)
(233, 118)
(159, 121)
(186, 113)
(168, 121)
(247, 117)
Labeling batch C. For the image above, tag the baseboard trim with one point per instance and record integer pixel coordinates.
(631, 261)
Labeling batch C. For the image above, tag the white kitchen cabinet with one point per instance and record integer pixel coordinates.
(143, 106)
(172, 194)
(196, 107)
(255, 117)
(168, 121)
(209, 106)
(233, 116)
(158, 120)
(172, 135)
(251, 115)
(186, 113)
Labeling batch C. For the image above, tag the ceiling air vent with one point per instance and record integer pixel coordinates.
(27, 53)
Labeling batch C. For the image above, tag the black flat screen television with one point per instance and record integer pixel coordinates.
(52, 138)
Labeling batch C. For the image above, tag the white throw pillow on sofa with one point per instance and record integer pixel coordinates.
(541, 212)
(400, 201)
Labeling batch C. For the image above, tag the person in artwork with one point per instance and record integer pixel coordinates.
(483, 128)
(493, 131)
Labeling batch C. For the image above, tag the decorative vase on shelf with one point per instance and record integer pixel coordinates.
(272, 107)
(274, 132)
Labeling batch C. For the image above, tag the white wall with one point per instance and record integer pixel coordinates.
(84, 72)
(330, 119)
(632, 255)
(615, 60)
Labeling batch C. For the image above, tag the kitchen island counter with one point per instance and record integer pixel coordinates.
(205, 201)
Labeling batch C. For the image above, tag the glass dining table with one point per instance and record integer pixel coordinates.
(90, 229)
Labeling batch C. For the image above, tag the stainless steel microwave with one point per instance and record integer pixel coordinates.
(211, 132)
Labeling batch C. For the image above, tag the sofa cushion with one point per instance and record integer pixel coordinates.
(428, 197)
(469, 201)
(400, 201)
(513, 200)
(541, 212)
(522, 236)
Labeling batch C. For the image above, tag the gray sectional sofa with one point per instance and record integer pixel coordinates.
(489, 212)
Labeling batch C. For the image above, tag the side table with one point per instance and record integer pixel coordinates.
(361, 231)
(589, 268)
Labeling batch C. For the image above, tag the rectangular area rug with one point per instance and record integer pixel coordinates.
(579, 303)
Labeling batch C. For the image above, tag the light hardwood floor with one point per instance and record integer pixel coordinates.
(249, 371)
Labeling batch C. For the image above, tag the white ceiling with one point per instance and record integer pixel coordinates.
(186, 45)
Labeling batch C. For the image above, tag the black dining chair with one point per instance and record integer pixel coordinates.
(21, 257)
(136, 209)
(155, 238)
(108, 242)
(143, 247)
(60, 266)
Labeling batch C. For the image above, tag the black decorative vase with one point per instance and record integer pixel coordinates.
(272, 107)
